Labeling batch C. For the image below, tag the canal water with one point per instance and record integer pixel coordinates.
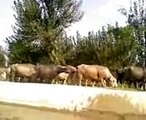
(19, 112)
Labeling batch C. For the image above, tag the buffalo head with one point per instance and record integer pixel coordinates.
(70, 69)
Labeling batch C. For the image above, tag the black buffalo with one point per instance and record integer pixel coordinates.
(46, 73)
(132, 74)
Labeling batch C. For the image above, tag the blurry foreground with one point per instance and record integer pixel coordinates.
(16, 112)
(32, 101)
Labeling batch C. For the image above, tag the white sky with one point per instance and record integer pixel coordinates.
(97, 14)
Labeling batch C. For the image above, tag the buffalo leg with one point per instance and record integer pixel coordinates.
(64, 82)
(80, 79)
(140, 84)
(144, 85)
(34, 78)
(71, 79)
(103, 82)
(12, 76)
(86, 82)
(93, 83)
(68, 80)
(129, 83)
(135, 84)
(53, 81)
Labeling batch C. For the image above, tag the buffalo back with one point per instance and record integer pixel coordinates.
(25, 70)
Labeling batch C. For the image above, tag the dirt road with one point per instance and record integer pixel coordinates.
(17, 112)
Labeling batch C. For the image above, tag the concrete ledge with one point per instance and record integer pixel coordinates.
(73, 98)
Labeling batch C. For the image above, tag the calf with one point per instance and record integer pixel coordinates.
(63, 77)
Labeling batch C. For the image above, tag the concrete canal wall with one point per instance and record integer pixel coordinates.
(73, 98)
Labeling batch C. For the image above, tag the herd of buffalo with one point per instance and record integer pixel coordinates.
(94, 75)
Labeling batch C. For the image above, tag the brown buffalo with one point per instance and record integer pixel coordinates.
(46, 73)
(96, 73)
(28, 71)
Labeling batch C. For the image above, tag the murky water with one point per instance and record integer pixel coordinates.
(17, 112)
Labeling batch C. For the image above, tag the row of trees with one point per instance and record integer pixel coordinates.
(40, 37)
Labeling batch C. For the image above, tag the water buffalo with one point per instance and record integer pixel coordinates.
(132, 74)
(70, 69)
(28, 71)
(46, 73)
(72, 75)
(4, 73)
(62, 76)
(96, 73)
(3, 76)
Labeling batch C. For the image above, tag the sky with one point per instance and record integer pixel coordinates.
(97, 13)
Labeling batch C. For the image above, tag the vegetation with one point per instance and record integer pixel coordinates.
(2, 59)
(136, 17)
(39, 29)
(115, 47)
(40, 37)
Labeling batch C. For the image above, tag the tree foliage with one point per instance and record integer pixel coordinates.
(39, 36)
(114, 47)
(136, 17)
(2, 57)
(39, 27)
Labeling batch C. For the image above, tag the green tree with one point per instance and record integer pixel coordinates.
(114, 47)
(40, 28)
(136, 17)
(2, 57)
(2, 60)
